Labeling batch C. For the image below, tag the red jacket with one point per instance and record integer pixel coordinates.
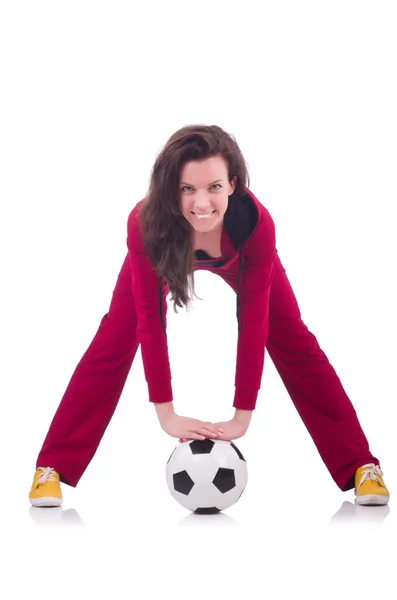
(248, 251)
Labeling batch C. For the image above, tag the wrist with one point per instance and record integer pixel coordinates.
(243, 416)
(164, 410)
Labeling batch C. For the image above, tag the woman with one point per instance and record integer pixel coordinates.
(199, 214)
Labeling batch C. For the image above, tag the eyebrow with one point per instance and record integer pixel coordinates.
(193, 185)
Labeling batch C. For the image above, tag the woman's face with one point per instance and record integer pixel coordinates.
(204, 189)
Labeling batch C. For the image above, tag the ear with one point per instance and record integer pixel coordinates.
(233, 184)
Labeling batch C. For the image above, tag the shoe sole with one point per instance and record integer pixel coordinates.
(46, 501)
(372, 500)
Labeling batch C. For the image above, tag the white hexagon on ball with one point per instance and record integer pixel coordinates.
(206, 476)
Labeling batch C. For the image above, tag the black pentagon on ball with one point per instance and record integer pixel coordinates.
(225, 480)
(183, 483)
(210, 510)
(201, 446)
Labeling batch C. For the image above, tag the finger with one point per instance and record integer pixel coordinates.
(209, 432)
(194, 435)
(217, 426)
(209, 425)
(213, 427)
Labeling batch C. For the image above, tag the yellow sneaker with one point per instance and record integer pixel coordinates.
(370, 487)
(46, 488)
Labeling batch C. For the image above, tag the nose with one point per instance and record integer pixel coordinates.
(203, 207)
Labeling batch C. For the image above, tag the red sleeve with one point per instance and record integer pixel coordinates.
(255, 282)
(151, 336)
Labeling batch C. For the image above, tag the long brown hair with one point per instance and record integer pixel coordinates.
(166, 233)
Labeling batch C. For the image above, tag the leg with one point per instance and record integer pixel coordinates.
(95, 388)
(314, 386)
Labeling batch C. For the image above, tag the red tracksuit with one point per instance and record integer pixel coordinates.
(268, 316)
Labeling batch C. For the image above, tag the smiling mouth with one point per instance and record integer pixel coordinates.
(202, 216)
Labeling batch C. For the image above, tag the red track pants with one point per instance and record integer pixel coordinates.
(99, 378)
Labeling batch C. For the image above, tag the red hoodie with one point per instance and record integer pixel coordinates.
(248, 247)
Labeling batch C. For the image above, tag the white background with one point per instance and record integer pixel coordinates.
(90, 93)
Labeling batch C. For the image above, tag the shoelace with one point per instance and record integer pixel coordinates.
(48, 475)
(372, 473)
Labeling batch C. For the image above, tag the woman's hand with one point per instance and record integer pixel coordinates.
(233, 429)
(228, 430)
(186, 428)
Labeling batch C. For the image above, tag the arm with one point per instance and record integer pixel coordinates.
(256, 278)
(236, 427)
(153, 340)
(243, 416)
(164, 410)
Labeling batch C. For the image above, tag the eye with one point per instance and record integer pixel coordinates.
(188, 186)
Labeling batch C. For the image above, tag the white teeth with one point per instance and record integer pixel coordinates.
(203, 216)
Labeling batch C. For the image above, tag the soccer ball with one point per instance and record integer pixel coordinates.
(206, 476)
